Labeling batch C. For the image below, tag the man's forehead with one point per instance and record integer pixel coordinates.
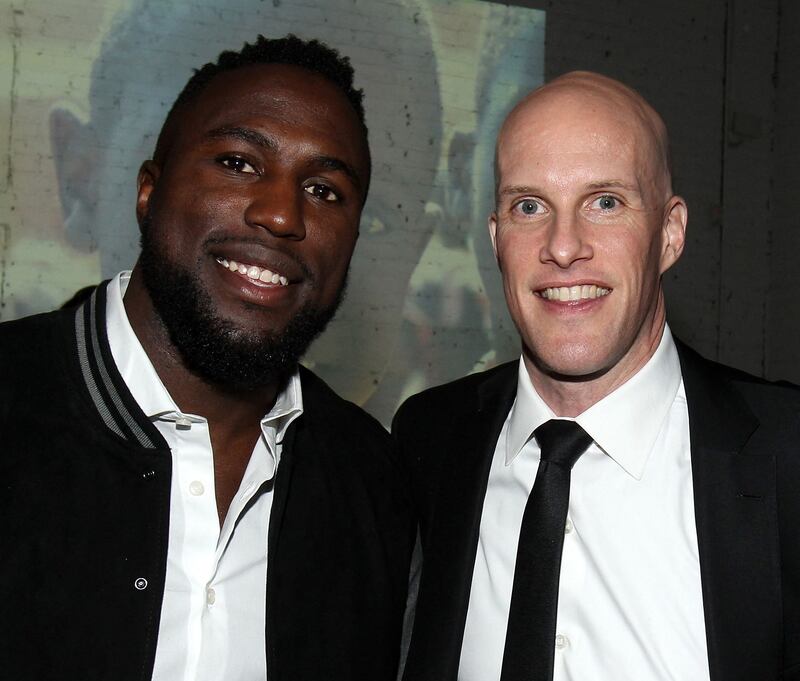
(289, 95)
(573, 110)
(575, 141)
(583, 88)
(581, 115)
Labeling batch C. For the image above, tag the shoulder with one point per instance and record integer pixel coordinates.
(457, 397)
(767, 400)
(762, 394)
(34, 374)
(35, 325)
(33, 343)
(338, 443)
(330, 415)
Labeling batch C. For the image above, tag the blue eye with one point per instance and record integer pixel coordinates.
(528, 207)
(607, 203)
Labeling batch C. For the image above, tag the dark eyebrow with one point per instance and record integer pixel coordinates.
(255, 137)
(333, 163)
(244, 134)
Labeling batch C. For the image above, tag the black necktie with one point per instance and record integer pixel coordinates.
(530, 639)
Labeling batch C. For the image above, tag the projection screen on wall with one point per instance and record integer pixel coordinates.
(90, 82)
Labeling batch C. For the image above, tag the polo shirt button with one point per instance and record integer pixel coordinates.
(196, 488)
(140, 584)
(561, 641)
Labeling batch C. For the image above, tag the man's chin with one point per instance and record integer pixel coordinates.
(239, 360)
(568, 365)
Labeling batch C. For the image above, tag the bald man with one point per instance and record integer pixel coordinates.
(676, 556)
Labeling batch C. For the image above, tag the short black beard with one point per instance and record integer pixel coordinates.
(211, 347)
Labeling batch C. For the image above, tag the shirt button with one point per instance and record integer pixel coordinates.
(568, 527)
(211, 596)
(196, 488)
(561, 641)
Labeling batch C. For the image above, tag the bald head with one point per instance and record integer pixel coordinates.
(581, 102)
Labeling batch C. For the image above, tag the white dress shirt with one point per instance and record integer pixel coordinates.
(213, 615)
(629, 603)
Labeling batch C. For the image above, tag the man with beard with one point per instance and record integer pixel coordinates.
(174, 484)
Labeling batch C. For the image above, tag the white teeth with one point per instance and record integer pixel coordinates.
(254, 272)
(567, 293)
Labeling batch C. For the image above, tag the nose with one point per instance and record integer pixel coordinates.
(565, 242)
(277, 206)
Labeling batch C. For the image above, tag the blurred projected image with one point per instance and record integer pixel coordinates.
(424, 301)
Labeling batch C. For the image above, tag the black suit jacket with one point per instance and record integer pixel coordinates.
(84, 522)
(745, 441)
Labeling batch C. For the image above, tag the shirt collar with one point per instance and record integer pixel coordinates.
(624, 424)
(145, 384)
(528, 412)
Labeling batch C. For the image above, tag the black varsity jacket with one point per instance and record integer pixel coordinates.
(84, 522)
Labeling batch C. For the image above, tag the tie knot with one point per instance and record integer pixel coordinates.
(562, 442)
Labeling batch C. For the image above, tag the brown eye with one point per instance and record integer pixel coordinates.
(236, 163)
(322, 191)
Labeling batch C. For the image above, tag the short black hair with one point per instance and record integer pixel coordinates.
(308, 54)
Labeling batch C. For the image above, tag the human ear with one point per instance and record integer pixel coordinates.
(493, 234)
(145, 183)
(673, 232)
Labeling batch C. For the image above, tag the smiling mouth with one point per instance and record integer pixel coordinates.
(254, 273)
(570, 293)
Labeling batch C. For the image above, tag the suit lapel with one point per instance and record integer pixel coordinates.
(733, 469)
(450, 538)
